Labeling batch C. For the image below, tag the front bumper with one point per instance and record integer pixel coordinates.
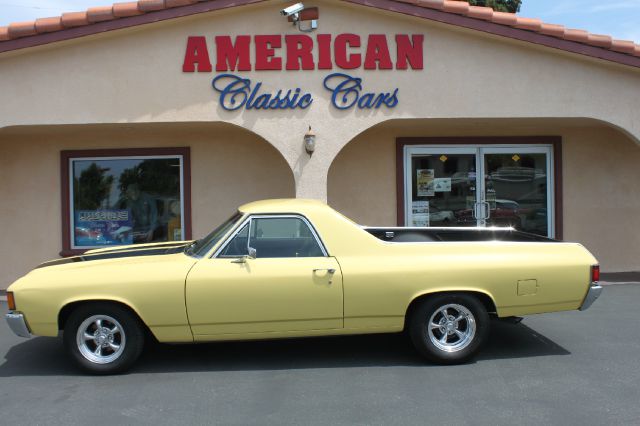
(17, 324)
(594, 292)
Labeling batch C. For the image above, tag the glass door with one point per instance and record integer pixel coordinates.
(517, 188)
(442, 186)
(489, 185)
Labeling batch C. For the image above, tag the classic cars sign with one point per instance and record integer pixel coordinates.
(301, 53)
(102, 227)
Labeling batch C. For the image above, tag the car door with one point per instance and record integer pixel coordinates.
(289, 284)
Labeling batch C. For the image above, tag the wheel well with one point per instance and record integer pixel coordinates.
(482, 297)
(66, 310)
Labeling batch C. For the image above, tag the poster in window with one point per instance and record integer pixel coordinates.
(420, 207)
(442, 184)
(424, 182)
(421, 220)
(420, 213)
(175, 223)
(491, 199)
(102, 227)
(490, 193)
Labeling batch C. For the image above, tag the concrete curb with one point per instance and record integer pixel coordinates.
(608, 283)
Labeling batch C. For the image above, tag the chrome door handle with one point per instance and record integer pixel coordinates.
(330, 270)
(488, 215)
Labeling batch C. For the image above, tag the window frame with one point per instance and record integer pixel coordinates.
(231, 237)
(66, 158)
(249, 218)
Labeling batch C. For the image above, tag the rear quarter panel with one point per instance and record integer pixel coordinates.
(379, 288)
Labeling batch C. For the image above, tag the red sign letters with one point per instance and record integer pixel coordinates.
(345, 51)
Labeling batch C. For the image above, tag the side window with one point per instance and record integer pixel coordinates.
(283, 237)
(238, 246)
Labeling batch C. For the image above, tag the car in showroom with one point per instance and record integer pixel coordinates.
(441, 216)
(292, 268)
(501, 213)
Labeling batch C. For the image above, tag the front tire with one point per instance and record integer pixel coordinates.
(103, 338)
(449, 328)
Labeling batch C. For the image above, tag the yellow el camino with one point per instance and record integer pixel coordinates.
(285, 268)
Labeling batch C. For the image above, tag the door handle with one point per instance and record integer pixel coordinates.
(488, 206)
(330, 270)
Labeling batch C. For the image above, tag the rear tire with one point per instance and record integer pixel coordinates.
(449, 328)
(103, 338)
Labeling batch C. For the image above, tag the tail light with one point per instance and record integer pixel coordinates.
(595, 273)
(11, 302)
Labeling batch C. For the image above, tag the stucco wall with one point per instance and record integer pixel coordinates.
(601, 195)
(135, 76)
(229, 166)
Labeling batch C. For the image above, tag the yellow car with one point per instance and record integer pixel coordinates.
(288, 268)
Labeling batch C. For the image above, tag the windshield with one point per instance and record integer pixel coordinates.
(202, 246)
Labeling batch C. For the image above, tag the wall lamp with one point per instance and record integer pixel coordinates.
(297, 14)
(310, 142)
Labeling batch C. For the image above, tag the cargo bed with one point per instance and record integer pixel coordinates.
(433, 234)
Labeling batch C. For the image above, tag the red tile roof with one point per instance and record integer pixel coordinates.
(94, 16)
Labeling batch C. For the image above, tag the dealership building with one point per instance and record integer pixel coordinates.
(153, 120)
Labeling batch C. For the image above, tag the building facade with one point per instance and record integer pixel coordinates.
(153, 120)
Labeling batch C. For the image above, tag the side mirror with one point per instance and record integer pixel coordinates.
(251, 255)
(252, 252)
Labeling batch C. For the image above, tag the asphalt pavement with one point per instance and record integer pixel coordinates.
(569, 368)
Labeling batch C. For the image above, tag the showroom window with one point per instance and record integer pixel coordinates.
(481, 182)
(124, 197)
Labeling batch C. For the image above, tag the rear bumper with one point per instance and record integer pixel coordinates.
(594, 292)
(17, 324)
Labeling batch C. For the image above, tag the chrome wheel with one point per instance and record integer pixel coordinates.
(100, 339)
(451, 328)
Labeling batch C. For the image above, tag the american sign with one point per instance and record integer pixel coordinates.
(302, 53)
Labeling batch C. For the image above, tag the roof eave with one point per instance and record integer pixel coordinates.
(501, 30)
(398, 6)
(121, 23)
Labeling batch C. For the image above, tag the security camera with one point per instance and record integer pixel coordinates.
(292, 10)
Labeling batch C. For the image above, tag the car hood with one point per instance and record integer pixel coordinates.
(154, 249)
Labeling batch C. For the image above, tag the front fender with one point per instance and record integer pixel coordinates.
(151, 286)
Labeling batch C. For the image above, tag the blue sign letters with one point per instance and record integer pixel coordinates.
(346, 92)
(351, 90)
(236, 92)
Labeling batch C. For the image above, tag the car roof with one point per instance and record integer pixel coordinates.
(283, 205)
